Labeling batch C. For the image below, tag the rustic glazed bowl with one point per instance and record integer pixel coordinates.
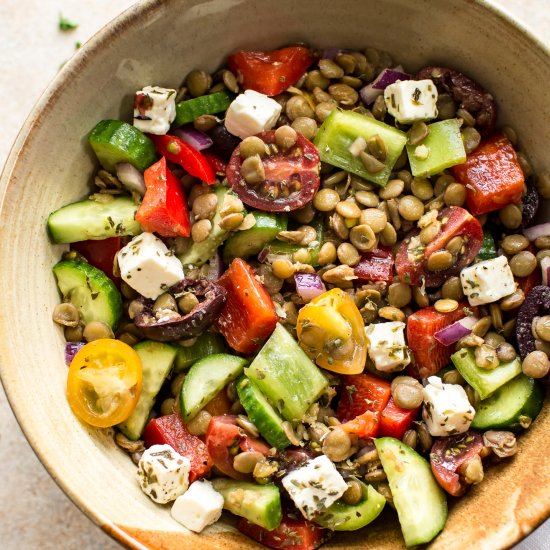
(158, 42)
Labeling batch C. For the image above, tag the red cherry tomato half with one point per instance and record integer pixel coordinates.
(291, 176)
(412, 255)
(100, 254)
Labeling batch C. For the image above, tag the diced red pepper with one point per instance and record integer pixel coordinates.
(170, 430)
(492, 175)
(429, 356)
(248, 317)
(270, 72)
(395, 421)
(164, 206)
(218, 165)
(376, 265)
(178, 151)
(100, 254)
(297, 534)
(363, 425)
(219, 405)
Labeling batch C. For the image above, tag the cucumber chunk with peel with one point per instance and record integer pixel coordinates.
(208, 343)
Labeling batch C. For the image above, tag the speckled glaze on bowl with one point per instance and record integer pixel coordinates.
(158, 42)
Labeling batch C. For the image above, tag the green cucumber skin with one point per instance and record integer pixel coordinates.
(484, 381)
(115, 141)
(261, 413)
(259, 504)
(190, 109)
(205, 379)
(157, 359)
(286, 375)
(521, 396)
(249, 242)
(90, 290)
(345, 517)
(420, 502)
(92, 220)
(206, 344)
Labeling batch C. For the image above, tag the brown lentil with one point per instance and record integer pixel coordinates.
(502, 443)
(315, 79)
(200, 230)
(429, 233)
(198, 83)
(339, 274)
(454, 245)
(411, 208)
(541, 328)
(375, 218)
(473, 470)
(388, 236)
(399, 295)
(543, 184)
(391, 313)
(343, 94)
(246, 461)
(95, 330)
(512, 244)
(362, 238)
(486, 357)
(323, 110)
(455, 194)
(66, 314)
(420, 297)
(410, 438)
(494, 339)
(252, 146)
(73, 334)
(204, 123)
(407, 395)
(471, 138)
(440, 260)
(393, 189)
(252, 170)
(354, 492)
(371, 163)
(204, 206)
(424, 437)
(482, 326)
(329, 69)
(327, 254)
(285, 137)
(165, 302)
(536, 364)
(510, 216)
(348, 210)
(348, 254)
(523, 264)
(305, 126)
(453, 377)
(513, 301)
(231, 221)
(446, 305)
(422, 188)
(543, 241)
(337, 445)
(377, 147)
(525, 164)
(326, 200)
(298, 106)
(506, 352)
(367, 198)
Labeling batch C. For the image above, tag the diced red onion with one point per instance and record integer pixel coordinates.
(545, 267)
(263, 255)
(388, 76)
(308, 286)
(71, 349)
(215, 267)
(197, 139)
(130, 177)
(541, 230)
(453, 333)
(331, 53)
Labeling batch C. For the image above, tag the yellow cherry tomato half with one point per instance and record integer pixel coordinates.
(104, 382)
(331, 331)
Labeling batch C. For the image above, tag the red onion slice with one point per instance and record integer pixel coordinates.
(71, 349)
(130, 177)
(453, 333)
(331, 53)
(308, 286)
(197, 139)
(388, 76)
(541, 230)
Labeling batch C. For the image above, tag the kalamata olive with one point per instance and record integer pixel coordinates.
(530, 203)
(470, 95)
(536, 304)
(224, 143)
(175, 326)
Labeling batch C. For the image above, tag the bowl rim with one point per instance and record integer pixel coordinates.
(121, 23)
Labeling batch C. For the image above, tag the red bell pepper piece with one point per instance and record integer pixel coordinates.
(297, 534)
(100, 254)
(376, 265)
(492, 175)
(395, 421)
(178, 151)
(219, 405)
(429, 356)
(248, 317)
(273, 72)
(164, 206)
(170, 430)
(218, 165)
(363, 425)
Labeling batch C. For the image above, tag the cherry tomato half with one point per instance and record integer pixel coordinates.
(291, 176)
(104, 382)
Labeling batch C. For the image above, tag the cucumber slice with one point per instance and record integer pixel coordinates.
(205, 379)
(345, 517)
(521, 397)
(445, 149)
(190, 109)
(286, 375)
(420, 502)
(206, 344)
(249, 242)
(90, 291)
(115, 141)
(484, 381)
(89, 219)
(199, 253)
(259, 504)
(262, 414)
(340, 130)
(156, 360)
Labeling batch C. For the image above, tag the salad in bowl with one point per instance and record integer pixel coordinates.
(308, 287)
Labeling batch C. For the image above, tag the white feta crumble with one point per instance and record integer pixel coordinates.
(409, 101)
(447, 410)
(251, 113)
(154, 109)
(201, 505)
(358, 146)
(487, 281)
(386, 346)
(421, 152)
(315, 486)
(148, 266)
(163, 474)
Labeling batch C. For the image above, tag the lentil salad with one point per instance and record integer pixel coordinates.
(244, 309)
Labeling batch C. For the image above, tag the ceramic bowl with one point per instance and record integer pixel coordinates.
(159, 41)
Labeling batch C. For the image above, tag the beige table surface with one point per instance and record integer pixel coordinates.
(34, 513)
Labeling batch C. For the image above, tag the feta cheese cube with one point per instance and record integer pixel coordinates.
(315, 486)
(447, 410)
(163, 474)
(201, 505)
(251, 113)
(148, 266)
(154, 109)
(411, 100)
(386, 346)
(487, 281)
